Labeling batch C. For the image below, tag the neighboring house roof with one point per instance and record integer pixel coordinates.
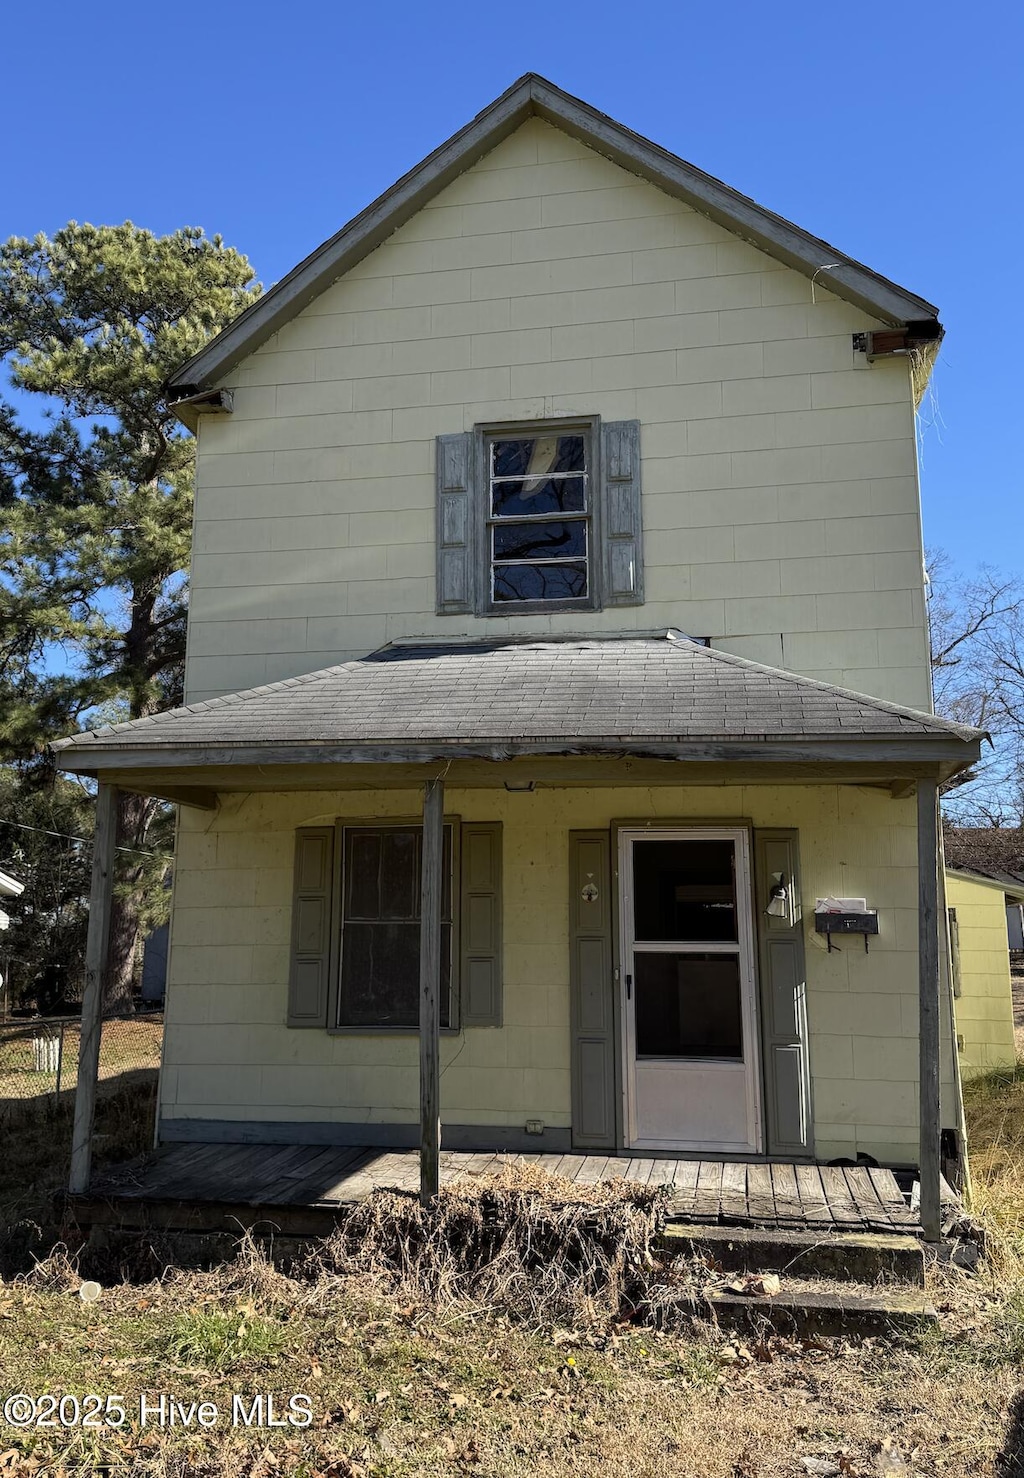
(10, 887)
(533, 96)
(499, 698)
(992, 851)
(1010, 883)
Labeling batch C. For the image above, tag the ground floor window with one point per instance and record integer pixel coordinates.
(380, 926)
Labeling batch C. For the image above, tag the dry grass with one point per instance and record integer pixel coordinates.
(129, 1048)
(532, 1244)
(401, 1388)
(493, 1337)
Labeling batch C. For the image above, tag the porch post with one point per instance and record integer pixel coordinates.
(96, 949)
(430, 988)
(928, 982)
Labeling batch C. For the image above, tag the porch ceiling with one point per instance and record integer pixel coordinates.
(650, 709)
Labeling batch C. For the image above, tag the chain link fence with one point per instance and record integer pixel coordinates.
(39, 1059)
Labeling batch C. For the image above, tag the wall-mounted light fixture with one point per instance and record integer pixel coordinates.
(523, 785)
(778, 897)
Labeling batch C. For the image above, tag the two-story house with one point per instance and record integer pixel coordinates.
(575, 491)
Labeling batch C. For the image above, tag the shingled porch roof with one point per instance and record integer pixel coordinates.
(659, 694)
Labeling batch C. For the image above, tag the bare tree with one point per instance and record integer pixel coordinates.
(977, 645)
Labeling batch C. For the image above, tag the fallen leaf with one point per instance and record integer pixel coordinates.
(756, 1285)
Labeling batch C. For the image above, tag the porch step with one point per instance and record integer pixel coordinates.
(861, 1257)
(833, 1312)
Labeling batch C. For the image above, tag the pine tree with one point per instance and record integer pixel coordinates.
(96, 480)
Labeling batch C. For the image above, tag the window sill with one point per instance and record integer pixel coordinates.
(386, 1031)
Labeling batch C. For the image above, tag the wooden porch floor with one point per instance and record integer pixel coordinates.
(300, 1187)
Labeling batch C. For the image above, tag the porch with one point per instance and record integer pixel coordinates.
(301, 1188)
(531, 762)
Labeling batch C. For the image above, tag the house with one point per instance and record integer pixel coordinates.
(984, 914)
(557, 642)
(9, 888)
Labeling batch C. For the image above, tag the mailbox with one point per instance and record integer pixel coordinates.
(845, 916)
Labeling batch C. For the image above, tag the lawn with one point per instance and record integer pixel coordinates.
(128, 1046)
(398, 1385)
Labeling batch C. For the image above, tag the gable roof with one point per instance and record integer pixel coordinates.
(1010, 883)
(533, 96)
(653, 693)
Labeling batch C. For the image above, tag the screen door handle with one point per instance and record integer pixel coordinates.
(629, 987)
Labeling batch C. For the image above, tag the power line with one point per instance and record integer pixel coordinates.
(87, 841)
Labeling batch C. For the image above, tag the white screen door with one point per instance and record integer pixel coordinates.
(687, 978)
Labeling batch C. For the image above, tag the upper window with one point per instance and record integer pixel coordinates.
(539, 518)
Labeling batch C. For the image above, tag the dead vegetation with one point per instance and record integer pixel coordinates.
(500, 1334)
(535, 1245)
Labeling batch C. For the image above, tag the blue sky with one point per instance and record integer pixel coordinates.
(892, 130)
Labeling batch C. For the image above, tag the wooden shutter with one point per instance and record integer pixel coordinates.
(480, 924)
(783, 997)
(308, 979)
(621, 529)
(454, 524)
(591, 988)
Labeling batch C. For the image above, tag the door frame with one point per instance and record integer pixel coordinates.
(740, 831)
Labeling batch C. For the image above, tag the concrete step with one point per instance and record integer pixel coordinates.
(861, 1257)
(832, 1312)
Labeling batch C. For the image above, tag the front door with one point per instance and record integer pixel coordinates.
(687, 980)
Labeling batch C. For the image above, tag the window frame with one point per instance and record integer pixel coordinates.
(390, 823)
(484, 434)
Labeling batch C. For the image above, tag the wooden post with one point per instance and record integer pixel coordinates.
(96, 950)
(928, 981)
(431, 893)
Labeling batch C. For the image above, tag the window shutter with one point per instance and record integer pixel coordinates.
(621, 527)
(783, 997)
(480, 924)
(454, 524)
(311, 926)
(591, 990)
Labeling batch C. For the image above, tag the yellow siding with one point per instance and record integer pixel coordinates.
(228, 1055)
(984, 1009)
(780, 487)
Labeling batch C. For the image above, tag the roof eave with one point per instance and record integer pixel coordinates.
(950, 753)
(534, 96)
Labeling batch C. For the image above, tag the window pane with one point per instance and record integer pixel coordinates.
(380, 943)
(537, 455)
(382, 873)
(520, 499)
(688, 1006)
(550, 540)
(540, 582)
(684, 890)
(362, 874)
(380, 975)
(399, 875)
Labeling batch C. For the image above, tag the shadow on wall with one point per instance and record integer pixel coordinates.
(1010, 1459)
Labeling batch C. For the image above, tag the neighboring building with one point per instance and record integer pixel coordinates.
(465, 478)
(9, 888)
(154, 965)
(984, 915)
